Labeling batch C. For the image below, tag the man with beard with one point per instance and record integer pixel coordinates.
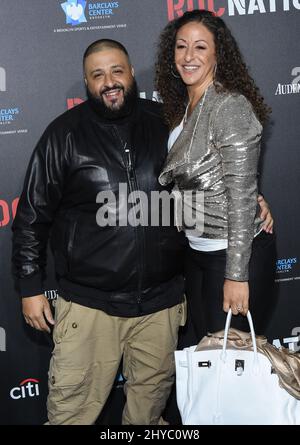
(120, 286)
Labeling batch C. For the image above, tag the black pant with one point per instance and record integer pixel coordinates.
(204, 287)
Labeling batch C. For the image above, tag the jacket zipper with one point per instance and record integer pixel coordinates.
(129, 165)
(131, 179)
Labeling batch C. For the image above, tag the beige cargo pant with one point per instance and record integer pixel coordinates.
(89, 345)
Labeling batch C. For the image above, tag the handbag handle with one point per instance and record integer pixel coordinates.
(227, 326)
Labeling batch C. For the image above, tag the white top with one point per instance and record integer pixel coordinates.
(197, 242)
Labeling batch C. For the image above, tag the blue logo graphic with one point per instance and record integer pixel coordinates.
(8, 115)
(74, 10)
(285, 264)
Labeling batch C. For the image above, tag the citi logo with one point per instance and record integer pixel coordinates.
(27, 388)
(2, 79)
(2, 340)
(290, 88)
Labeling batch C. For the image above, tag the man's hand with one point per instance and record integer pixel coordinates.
(36, 311)
(236, 296)
(265, 214)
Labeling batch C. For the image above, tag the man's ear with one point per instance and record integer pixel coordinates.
(132, 71)
(85, 81)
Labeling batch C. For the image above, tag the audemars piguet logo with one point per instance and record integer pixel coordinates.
(290, 88)
(51, 295)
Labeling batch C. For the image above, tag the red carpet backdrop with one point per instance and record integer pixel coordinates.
(42, 43)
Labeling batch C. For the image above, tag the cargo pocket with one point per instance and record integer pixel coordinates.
(67, 389)
(62, 309)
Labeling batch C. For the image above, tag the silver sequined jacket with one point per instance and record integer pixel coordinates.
(217, 153)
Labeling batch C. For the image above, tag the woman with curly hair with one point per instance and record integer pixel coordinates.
(216, 113)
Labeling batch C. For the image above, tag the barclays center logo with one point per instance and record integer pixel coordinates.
(75, 11)
(284, 265)
(8, 115)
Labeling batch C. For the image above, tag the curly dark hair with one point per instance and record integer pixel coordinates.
(231, 75)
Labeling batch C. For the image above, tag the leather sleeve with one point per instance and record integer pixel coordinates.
(40, 198)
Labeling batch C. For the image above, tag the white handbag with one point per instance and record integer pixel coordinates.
(231, 387)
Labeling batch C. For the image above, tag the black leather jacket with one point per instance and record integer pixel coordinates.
(123, 270)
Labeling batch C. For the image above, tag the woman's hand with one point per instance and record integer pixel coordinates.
(265, 214)
(236, 296)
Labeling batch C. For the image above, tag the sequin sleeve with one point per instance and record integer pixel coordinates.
(237, 135)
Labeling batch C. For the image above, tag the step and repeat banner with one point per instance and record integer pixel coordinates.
(42, 43)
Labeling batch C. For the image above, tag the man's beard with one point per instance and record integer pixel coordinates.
(99, 106)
